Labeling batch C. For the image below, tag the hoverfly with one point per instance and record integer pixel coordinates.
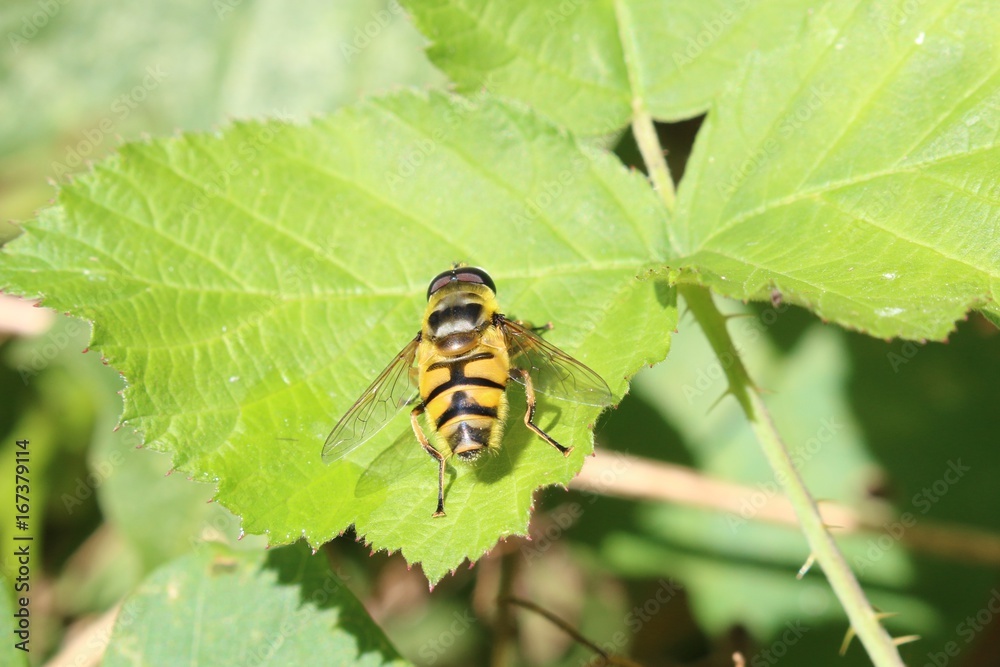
(456, 371)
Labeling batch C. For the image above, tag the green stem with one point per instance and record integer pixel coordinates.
(863, 618)
(652, 152)
(642, 122)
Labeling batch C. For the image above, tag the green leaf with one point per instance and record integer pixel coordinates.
(209, 60)
(583, 63)
(250, 285)
(856, 171)
(204, 63)
(851, 167)
(159, 514)
(221, 607)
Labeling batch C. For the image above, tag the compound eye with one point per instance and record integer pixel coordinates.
(440, 280)
(465, 274)
(472, 274)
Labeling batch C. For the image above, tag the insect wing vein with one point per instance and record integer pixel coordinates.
(553, 372)
(379, 403)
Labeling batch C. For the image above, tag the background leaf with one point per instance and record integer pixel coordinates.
(234, 58)
(903, 414)
(241, 356)
(221, 607)
(848, 162)
(738, 570)
(915, 407)
(210, 61)
(854, 171)
(582, 63)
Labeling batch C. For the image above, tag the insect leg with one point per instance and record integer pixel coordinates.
(416, 412)
(529, 414)
(548, 326)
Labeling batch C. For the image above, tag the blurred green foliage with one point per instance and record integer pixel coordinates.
(106, 515)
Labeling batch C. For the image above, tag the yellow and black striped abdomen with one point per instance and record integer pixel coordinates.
(464, 395)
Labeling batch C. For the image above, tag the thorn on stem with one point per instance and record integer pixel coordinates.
(715, 403)
(806, 566)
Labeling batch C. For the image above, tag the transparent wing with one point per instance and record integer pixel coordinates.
(386, 396)
(553, 372)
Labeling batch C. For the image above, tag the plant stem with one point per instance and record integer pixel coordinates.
(619, 475)
(845, 586)
(642, 122)
(606, 658)
(863, 618)
(652, 152)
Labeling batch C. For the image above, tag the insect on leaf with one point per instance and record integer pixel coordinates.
(248, 312)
